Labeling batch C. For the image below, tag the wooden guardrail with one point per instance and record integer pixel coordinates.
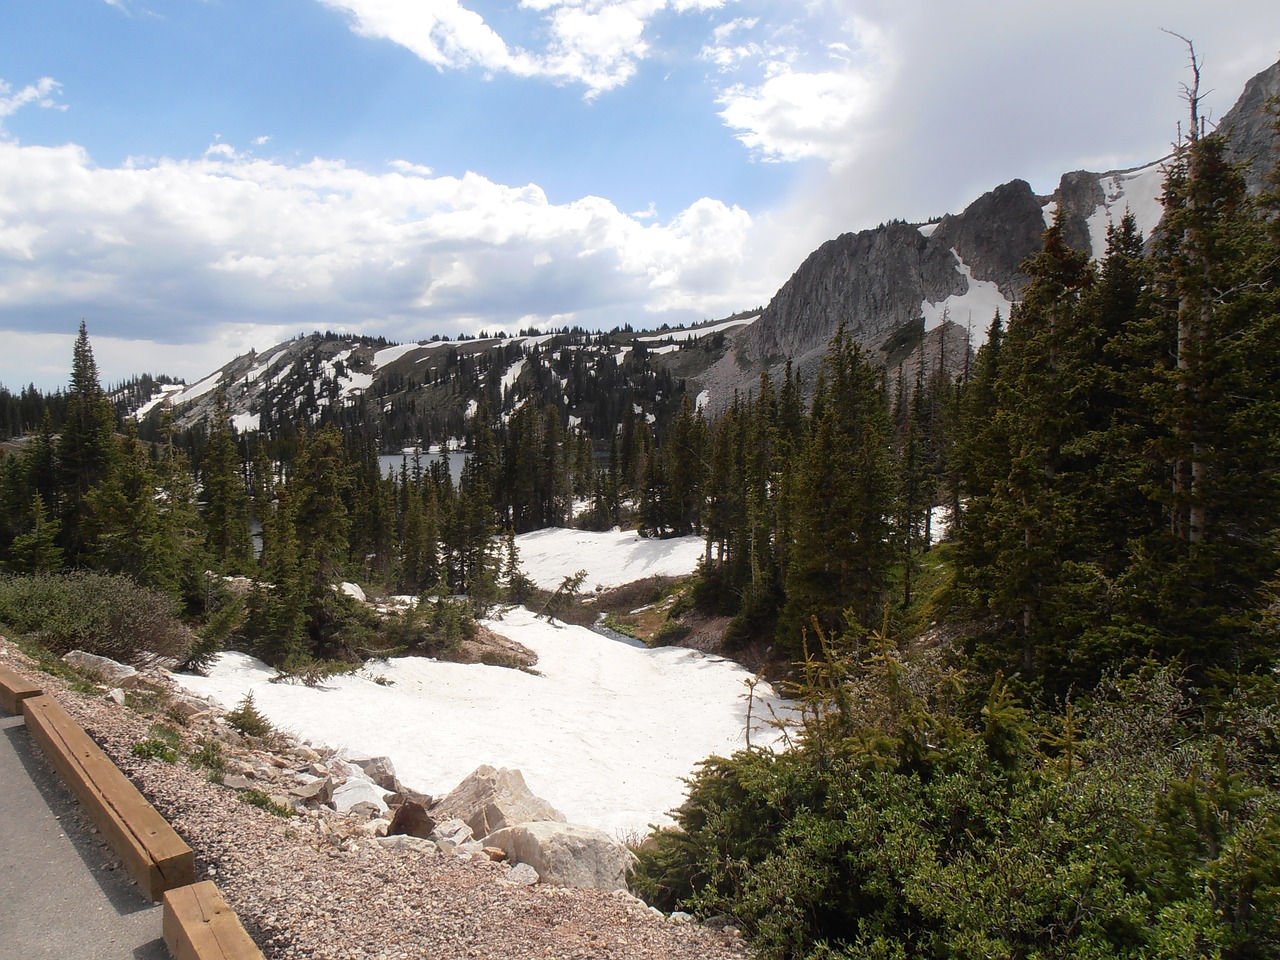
(198, 925)
(14, 688)
(151, 850)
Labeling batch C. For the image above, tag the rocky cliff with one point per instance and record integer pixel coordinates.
(901, 288)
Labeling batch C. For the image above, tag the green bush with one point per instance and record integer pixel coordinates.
(899, 825)
(248, 720)
(154, 749)
(210, 756)
(108, 615)
(256, 798)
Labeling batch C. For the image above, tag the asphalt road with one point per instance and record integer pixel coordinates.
(63, 893)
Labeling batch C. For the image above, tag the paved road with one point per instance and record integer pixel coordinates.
(63, 893)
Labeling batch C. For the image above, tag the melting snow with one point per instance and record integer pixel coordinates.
(610, 559)
(167, 390)
(1049, 211)
(245, 422)
(926, 229)
(605, 732)
(680, 335)
(391, 354)
(1137, 191)
(701, 402)
(199, 390)
(974, 308)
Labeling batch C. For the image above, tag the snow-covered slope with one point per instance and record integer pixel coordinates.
(605, 732)
(610, 559)
(1133, 191)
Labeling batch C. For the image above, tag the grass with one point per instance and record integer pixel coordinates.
(256, 798)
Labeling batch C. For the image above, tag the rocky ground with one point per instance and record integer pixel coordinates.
(322, 884)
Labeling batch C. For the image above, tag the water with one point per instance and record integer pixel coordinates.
(391, 463)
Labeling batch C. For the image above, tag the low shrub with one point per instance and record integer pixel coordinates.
(247, 720)
(155, 749)
(105, 614)
(256, 798)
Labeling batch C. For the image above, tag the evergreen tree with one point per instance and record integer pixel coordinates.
(86, 447)
(226, 504)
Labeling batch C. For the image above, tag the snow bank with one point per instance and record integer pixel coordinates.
(974, 308)
(605, 733)
(610, 559)
(1139, 192)
(698, 332)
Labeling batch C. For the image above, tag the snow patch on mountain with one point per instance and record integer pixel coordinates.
(245, 422)
(698, 333)
(610, 559)
(1137, 191)
(973, 309)
(167, 391)
(207, 385)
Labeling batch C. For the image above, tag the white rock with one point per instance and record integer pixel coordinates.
(358, 791)
(402, 842)
(523, 875)
(353, 590)
(566, 854)
(112, 672)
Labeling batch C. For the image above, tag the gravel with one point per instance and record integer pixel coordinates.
(304, 889)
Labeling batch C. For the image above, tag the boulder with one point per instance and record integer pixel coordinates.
(379, 770)
(566, 854)
(452, 831)
(490, 799)
(411, 819)
(358, 791)
(523, 875)
(414, 844)
(113, 674)
(319, 790)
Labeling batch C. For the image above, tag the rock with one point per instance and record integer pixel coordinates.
(523, 875)
(414, 844)
(188, 709)
(353, 590)
(340, 767)
(366, 808)
(453, 831)
(496, 854)
(566, 854)
(376, 827)
(405, 794)
(236, 782)
(679, 916)
(116, 696)
(379, 770)
(111, 672)
(490, 799)
(411, 819)
(319, 790)
(358, 791)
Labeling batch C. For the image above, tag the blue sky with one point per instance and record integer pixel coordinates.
(197, 177)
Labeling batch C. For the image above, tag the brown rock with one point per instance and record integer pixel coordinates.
(411, 819)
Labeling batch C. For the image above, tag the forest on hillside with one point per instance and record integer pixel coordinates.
(1051, 735)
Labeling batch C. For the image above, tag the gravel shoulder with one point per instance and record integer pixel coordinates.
(303, 891)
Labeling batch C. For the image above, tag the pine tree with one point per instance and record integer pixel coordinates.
(840, 549)
(86, 447)
(225, 511)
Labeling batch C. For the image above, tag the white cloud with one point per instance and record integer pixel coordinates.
(596, 43)
(41, 93)
(172, 251)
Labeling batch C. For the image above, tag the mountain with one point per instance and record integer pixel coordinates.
(911, 293)
(925, 292)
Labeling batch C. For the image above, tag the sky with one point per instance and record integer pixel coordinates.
(196, 178)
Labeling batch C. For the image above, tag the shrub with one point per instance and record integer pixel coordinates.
(154, 749)
(256, 798)
(248, 720)
(105, 614)
(210, 756)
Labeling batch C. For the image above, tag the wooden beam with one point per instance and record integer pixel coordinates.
(151, 850)
(199, 925)
(14, 688)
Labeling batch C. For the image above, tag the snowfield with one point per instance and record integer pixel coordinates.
(610, 559)
(605, 732)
